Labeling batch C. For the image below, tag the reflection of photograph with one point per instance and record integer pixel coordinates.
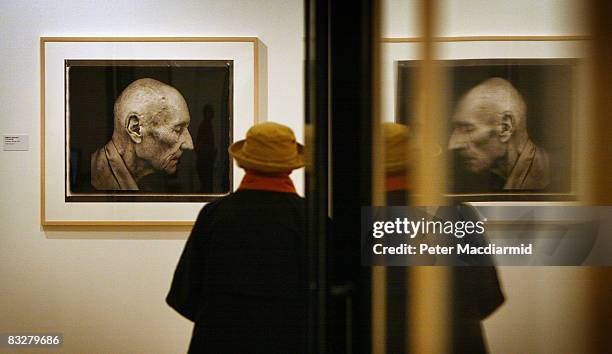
(141, 130)
(490, 137)
(509, 124)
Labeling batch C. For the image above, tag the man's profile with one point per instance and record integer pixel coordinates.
(150, 134)
(490, 136)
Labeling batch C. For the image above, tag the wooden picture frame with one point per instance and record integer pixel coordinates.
(128, 59)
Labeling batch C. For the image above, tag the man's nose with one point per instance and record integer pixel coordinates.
(187, 142)
(456, 141)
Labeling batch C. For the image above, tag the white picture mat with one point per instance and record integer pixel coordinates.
(530, 211)
(511, 50)
(56, 209)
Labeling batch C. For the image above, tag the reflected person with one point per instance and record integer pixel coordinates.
(475, 287)
(150, 134)
(490, 137)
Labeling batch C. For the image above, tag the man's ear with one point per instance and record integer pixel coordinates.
(134, 128)
(506, 127)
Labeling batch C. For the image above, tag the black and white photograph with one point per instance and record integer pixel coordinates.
(148, 130)
(509, 125)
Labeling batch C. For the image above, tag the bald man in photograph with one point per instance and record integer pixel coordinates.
(490, 136)
(150, 134)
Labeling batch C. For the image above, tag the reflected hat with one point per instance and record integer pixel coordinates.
(396, 146)
(268, 147)
(402, 147)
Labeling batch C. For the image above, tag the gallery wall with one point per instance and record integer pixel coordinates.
(104, 288)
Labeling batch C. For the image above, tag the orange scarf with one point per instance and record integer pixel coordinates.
(396, 182)
(278, 182)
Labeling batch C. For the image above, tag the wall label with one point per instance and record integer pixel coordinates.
(16, 142)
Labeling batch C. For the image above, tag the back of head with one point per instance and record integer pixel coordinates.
(396, 138)
(268, 148)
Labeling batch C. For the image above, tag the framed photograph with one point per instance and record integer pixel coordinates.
(136, 130)
(512, 115)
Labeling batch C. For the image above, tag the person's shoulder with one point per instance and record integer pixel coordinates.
(209, 207)
(258, 193)
(213, 204)
(249, 197)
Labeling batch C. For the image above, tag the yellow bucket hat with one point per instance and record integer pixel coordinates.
(401, 148)
(396, 137)
(268, 147)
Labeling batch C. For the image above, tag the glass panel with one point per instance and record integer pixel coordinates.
(483, 103)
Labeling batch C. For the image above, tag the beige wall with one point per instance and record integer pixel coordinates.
(105, 288)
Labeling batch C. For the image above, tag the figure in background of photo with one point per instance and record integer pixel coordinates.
(476, 292)
(490, 137)
(242, 275)
(150, 134)
(205, 149)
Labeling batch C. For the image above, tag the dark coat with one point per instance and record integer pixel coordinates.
(242, 275)
(476, 293)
